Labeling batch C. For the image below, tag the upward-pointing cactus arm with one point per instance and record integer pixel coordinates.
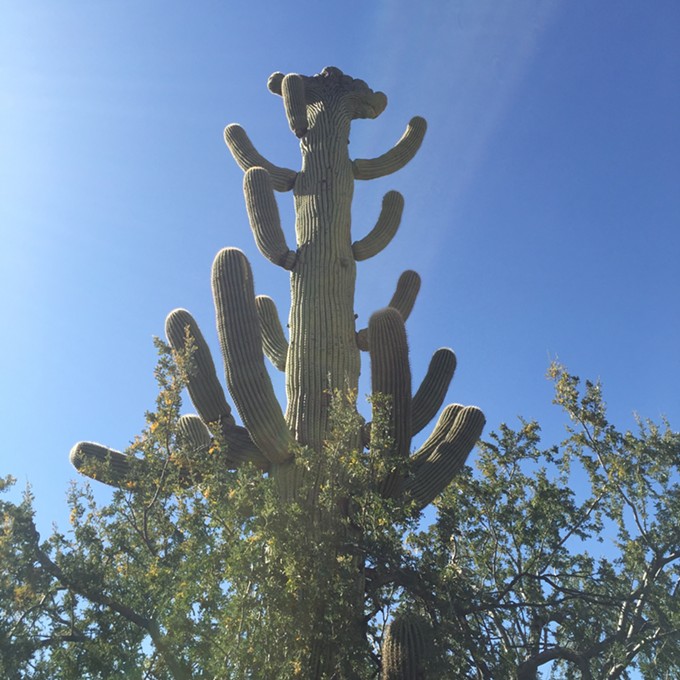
(391, 380)
(263, 214)
(403, 300)
(203, 386)
(274, 341)
(432, 391)
(247, 157)
(295, 103)
(238, 326)
(397, 157)
(206, 391)
(444, 453)
(384, 230)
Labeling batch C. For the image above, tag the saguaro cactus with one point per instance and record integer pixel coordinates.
(321, 355)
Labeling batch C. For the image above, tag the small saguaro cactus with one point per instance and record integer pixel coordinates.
(403, 650)
(321, 355)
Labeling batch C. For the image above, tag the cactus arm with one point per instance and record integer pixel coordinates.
(238, 328)
(397, 157)
(403, 300)
(102, 464)
(295, 104)
(247, 157)
(391, 378)
(434, 468)
(406, 293)
(238, 446)
(206, 391)
(265, 222)
(274, 341)
(403, 648)
(203, 386)
(432, 391)
(194, 433)
(384, 230)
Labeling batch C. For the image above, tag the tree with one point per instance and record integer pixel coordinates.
(290, 546)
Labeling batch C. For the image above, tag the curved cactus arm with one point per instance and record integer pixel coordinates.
(237, 449)
(295, 103)
(247, 157)
(206, 391)
(194, 433)
(103, 464)
(435, 468)
(403, 300)
(406, 293)
(203, 385)
(432, 391)
(249, 384)
(384, 230)
(403, 648)
(274, 341)
(397, 157)
(391, 378)
(263, 214)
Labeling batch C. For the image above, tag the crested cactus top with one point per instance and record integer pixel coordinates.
(356, 97)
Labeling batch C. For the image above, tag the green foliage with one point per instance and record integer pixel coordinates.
(226, 577)
(562, 559)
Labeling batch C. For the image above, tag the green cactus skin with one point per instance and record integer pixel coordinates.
(99, 462)
(238, 326)
(403, 649)
(384, 230)
(397, 157)
(207, 394)
(323, 356)
(295, 104)
(391, 377)
(194, 433)
(432, 391)
(274, 341)
(247, 157)
(406, 293)
(434, 469)
(204, 388)
(265, 222)
(403, 300)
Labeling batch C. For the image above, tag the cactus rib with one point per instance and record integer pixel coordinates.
(247, 157)
(397, 157)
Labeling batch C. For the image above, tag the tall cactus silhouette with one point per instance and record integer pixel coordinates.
(321, 355)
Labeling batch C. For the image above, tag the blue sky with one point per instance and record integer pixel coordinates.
(542, 212)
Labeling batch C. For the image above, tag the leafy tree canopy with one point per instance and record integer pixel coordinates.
(559, 562)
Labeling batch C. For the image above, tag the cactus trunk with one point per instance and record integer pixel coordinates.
(322, 356)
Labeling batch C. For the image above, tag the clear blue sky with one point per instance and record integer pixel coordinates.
(542, 212)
